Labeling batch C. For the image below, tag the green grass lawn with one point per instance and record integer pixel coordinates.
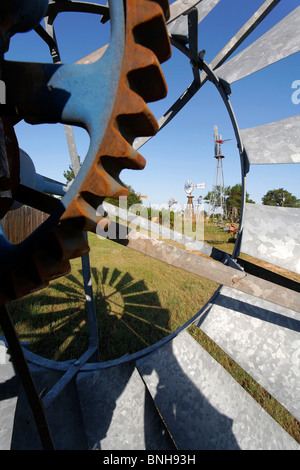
(138, 301)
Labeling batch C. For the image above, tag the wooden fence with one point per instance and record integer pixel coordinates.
(21, 222)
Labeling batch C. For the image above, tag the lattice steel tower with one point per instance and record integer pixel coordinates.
(217, 198)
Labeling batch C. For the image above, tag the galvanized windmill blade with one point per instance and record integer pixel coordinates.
(185, 15)
(272, 143)
(181, 9)
(178, 22)
(279, 42)
(215, 139)
(242, 311)
(254, 144)
(271, 234)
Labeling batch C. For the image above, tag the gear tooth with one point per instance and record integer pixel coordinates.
(103, 176)
(48, 267)
(44, 264)
(165, 6)
(137, 124)
(150, 6)
(99, 182)
(121, 152)
(24, 279)
(113, 165)
(84, 212)
(131, 103)
(121, 147)
(93, 196)
(146, 10)
(144, 69)
(133, 117)
(72, 241)
(134, 160)
(148, 28)
(143, 73)
(142, 81)
(143, 57)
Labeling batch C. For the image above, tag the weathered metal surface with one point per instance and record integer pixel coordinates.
(277, 142)
(243, 33)
(118, 413)
(178, 23)
(181, 7)
(62, 94)
(193, 241)
(130, 116)
(39, 264)
(127, 118)
(92, 352)
(225, 53)
(44, 258)
(19, 16)
(262, 338)
(272, 234)
(203, 266)
(9, 386)
(280, 42)
(25, 375)
(64, 417)
(203, 406)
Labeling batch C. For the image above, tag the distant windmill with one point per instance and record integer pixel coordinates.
(171, 202)
(217, 197)
(189, 188)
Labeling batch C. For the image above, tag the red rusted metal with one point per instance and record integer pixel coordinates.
(146, 46)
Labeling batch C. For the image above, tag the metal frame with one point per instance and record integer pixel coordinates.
(46, 106)
(227, 272)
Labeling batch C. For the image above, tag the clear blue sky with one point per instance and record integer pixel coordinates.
(184, 149)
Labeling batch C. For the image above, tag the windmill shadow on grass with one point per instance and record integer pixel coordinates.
(130, 316)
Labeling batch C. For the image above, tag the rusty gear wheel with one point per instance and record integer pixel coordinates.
(45, 254)
(141, 81)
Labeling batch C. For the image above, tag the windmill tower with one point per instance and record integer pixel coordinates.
(217, 197)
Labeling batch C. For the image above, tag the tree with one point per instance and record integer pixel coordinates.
(69, 174)
(280, 197)
(235, 199)
(233, 196)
